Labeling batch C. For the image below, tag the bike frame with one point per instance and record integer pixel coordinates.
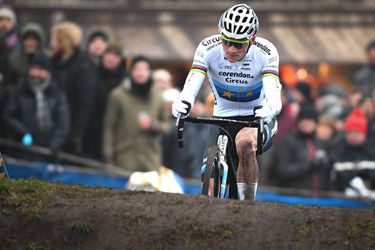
(258, 123)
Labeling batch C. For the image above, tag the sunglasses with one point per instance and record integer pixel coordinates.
(238, 45)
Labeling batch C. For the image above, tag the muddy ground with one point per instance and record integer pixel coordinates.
(39, 215)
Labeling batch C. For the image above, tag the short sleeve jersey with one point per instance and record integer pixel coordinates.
(238, 86)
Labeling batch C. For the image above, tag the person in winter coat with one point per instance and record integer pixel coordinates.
(110, 74)
(297, 161)
(9, 41)
(353, 161)
(32, 42)
(364, 78)
(134, 120)
(8, 25)
(37, 112)
(75, 74)
(96, 44)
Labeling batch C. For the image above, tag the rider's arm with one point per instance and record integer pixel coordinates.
(196, 75)
(271, 82)
(272, 92)
(192, 86)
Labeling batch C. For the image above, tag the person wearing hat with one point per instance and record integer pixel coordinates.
(8, 23)
(109, 74)
(32, 42)
(9, 41)
(135, 118)
(76, 75)
(354, 157)
(298, 161)
(37, 112)
(364, 78)
(96, 44)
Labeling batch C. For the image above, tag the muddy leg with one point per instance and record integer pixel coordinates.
(248, 170)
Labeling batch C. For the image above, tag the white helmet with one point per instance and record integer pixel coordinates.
(239, 22)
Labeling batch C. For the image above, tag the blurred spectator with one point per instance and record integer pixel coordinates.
(187, 161)
(37, 112)
(8, 25)
(354, 97)
(75, 74)
(96, 45)
(287, 117)
(286, 121)
(112, 66)
(9, 41)
(364, 78)
(326, 134)
(302, 93)
(135, 117)
(209, 104)
(3, 70)
(32, 42)
(162, 80)
(110, 74)
(353, 161)
(368, 108)
(332, 101)
(298, 162)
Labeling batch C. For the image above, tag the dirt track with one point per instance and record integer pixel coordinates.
(37, 215)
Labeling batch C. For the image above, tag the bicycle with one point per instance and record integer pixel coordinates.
(219, 174)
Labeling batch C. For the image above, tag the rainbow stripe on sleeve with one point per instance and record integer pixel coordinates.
(272, 73)
(199, 68)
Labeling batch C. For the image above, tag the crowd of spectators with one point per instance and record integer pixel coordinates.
(78, 96)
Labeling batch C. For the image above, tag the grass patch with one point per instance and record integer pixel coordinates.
(196, 232)
(35, 246)
(31, 196)
(171, 202)
(310, 226)
(80, 227)
(360, 230)
(131, 219)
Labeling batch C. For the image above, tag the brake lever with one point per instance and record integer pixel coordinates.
(180, 130)
(260, 131)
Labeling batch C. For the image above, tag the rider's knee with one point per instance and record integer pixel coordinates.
(245, 145)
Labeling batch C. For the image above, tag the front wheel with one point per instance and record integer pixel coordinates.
(211, 183)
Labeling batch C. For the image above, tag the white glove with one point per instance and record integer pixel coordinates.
(265, 113)
(181, 107)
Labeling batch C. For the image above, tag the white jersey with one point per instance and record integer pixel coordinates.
(238, 86)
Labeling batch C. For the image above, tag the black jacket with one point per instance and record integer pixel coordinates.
(106, 80)
(20, 116)
(293, 166)
(350, 154)
(77, 77)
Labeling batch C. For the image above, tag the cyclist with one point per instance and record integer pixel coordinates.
(243, 73)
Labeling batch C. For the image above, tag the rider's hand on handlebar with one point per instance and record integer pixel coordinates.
(265, 113)
(181, 106)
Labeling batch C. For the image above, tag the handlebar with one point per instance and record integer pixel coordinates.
(257, 123)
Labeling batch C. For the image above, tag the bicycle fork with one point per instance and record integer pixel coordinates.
(222, 142)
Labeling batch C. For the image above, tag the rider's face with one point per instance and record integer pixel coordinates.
(235, 52)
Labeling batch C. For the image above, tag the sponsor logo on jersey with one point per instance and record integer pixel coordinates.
(262, 47)
(231, 77)
(208, 42)
(211, 43)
